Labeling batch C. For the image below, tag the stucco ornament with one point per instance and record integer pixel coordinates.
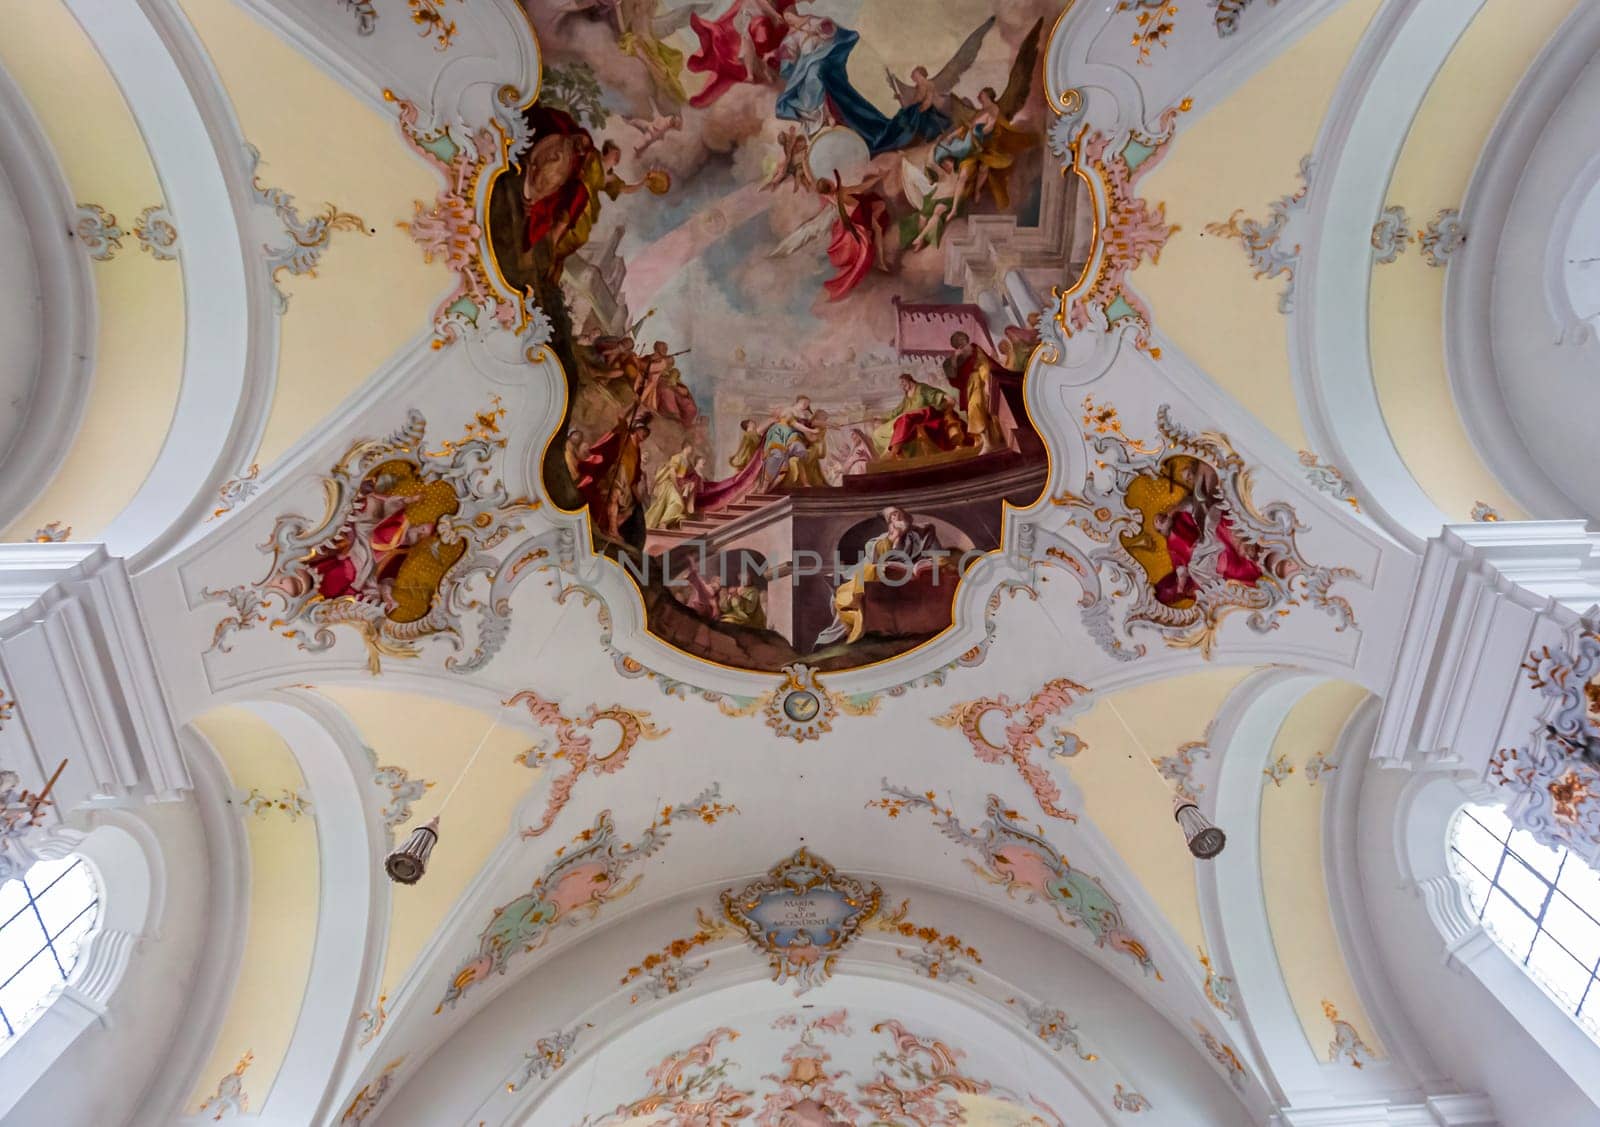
(451, 230)
(1026, 865)
(407, 535)
(1553, 780)
(1180, 532)
(1022, 727)
(801, 915)
(579, 881)
(1273, 245)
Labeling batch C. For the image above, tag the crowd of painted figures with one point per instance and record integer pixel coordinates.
(795, 446)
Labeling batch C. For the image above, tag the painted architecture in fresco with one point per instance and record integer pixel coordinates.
(793, 252)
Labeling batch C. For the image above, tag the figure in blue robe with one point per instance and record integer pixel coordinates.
(817, 80)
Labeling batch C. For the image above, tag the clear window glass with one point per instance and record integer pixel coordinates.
(44, 919)
(1541, 905)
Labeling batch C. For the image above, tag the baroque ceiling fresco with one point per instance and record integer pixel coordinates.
(793, 501)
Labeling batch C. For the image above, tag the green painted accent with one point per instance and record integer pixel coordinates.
(861, 700)
(1135, 153)
(440, 146)
(1119, 308)
(467, 306)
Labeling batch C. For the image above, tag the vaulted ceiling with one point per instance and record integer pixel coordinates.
(338, 321)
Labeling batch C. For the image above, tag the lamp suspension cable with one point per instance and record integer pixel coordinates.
(1205, 840)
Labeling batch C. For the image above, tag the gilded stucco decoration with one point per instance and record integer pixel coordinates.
(1125, 1100)
(300, 244)
(449, 230)
(1154, 21)
(1328, 479)
(914, 1078)
(1278, 770)
(229, 1099)
(800, 707)
(801, 916)
(1020, 736)
(52, 533)
(290, 803)
(402, 552)
(1442, 238)
(400, 791)
(582, 878)
(1021, 861)
(1052, 1026)
(548, 1056)
(1391, 234)
(1220, 990)
(1553, 780)
(1224, 1054)
(1271, 245)
(575, 751)
(96, 228)
(370, 1023)
(1179, 768)
(1178, 527)
(366, 1101)
(157, 232)
(1318, 766)
(1131, 231)
(1347, 1045)
(236, 491)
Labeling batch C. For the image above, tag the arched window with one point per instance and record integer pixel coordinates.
(1541, 905)
(44, 918)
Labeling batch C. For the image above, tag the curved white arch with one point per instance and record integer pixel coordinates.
(1510, 201)
(1232, 903)
(65, 310)
(229, 327)
(460, 1073)
(1329, 337)
(352, 911)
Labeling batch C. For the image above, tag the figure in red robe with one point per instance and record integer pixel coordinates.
(858, 234)
(611, 480)
(731, 55)
(1185, 540)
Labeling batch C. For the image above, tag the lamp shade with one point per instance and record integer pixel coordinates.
(1205, 840)
(406, 864)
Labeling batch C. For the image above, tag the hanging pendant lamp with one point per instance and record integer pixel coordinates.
(1204, 838)
(406, 864)
(409, 862)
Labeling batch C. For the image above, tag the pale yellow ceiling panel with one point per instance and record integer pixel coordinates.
(138, 348)
(1127, 799)
(282, 912)
(325, 146)
(1313, 965)
(432, 740)
(1407, 297)
(1239, 156)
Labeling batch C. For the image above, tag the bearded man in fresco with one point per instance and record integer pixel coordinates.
(918, 425)
(564, 179)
